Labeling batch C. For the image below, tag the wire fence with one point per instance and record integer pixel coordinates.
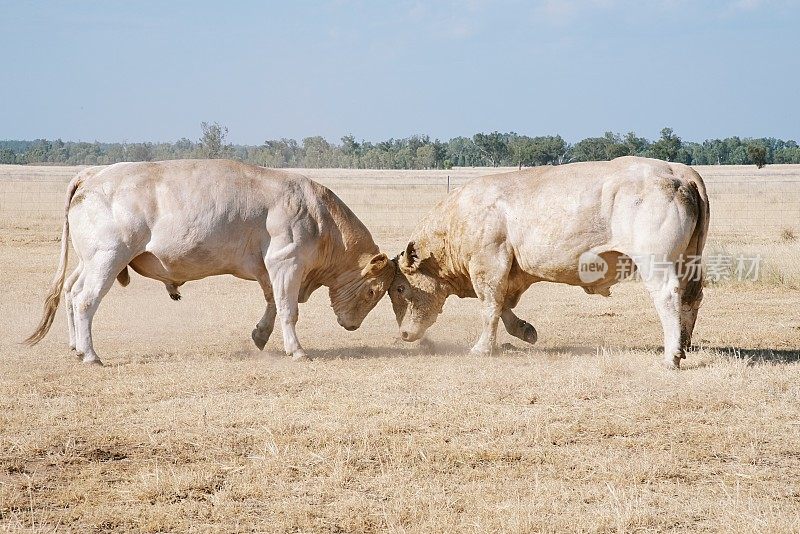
(753, 207)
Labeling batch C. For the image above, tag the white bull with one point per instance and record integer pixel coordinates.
(176, 221)
(581, 224)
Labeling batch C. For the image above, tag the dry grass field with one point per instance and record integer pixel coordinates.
(189, 428)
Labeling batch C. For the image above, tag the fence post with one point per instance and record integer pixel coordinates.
(448, 184)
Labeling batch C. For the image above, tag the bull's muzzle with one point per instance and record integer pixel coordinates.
(347, 326)
(409, 336)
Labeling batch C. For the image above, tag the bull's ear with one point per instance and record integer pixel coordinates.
(377, 264)
(409, 260)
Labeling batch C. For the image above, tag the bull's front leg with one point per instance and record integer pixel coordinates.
(287, 288)
(490, 282)
(518, 328)
(486, 342)
(285, 272)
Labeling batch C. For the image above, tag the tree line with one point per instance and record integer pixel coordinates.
(415, 152)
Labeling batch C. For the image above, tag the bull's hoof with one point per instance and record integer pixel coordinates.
(175, 296)
(478, 352)
(92, 361)
(299, 356)
(673, 362)
(529, 334)
(260, 342)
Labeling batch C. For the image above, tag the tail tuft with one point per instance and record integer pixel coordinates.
(50, 307)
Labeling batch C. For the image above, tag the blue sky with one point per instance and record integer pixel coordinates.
(135, 71)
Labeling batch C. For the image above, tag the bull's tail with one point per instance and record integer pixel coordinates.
(694, 286)
(57, 285)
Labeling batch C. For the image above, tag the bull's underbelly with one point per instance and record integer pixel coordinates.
(180, 255)
(573, 266)
(188, 267)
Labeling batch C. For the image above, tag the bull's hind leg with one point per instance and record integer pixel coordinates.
(69, 284)
(661, 280)
(689, 309)
(98, 275)
(691, 298)
(517, 327)
(263, 329)
(514, 325)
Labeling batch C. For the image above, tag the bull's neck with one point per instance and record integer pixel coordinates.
(444, 261)
(349, 243)
(338, 265)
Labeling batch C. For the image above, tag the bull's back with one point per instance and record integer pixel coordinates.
(216, 185)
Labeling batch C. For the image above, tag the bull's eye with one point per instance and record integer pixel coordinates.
(371, 293)
(400, 290)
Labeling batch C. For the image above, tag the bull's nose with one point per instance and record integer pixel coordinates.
(350, 328)
(404, 335)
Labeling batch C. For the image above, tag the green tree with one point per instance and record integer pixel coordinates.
(38, 151)
(590, 149)
(531, 151)
(608, 147)
(182, 148)
(757, 154)
(140, 152)
(615, 146)
(637, 146)
(462, 152)
(426, 157)
(553, 150)
(520, 150)
(493, 146)
(667, 146)
(317, 152)
(350, 151)
(7, 156)
(212, 143)
(402, 157)
(283, 153)
(439, 153)
(788, 153)
(736, 152)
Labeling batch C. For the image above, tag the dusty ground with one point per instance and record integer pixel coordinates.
(189, 428)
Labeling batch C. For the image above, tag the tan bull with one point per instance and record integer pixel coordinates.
(580, 224)
(176, 221)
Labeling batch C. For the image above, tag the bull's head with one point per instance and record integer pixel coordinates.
(357, 291)
(417, 294)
